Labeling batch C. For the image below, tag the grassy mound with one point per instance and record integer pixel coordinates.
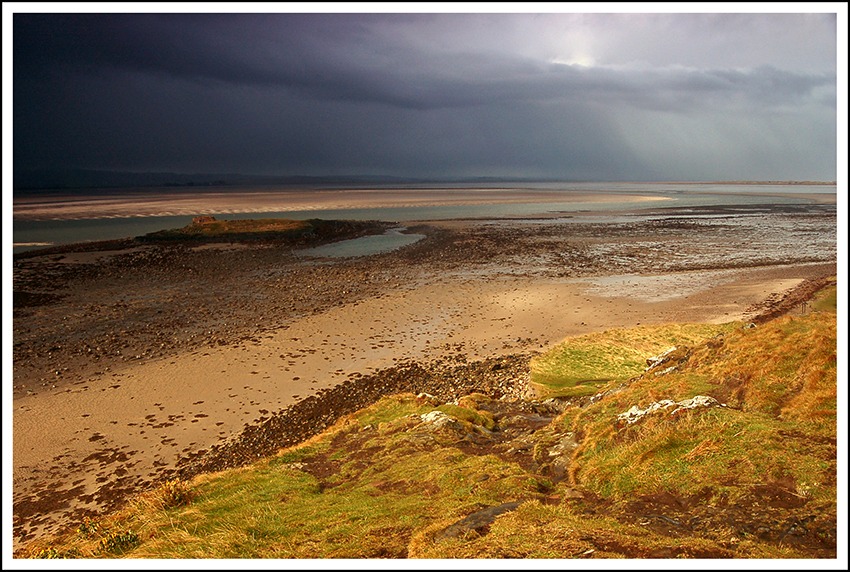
(747, 472)
(243, 226)
(208, 229)
(580, 366)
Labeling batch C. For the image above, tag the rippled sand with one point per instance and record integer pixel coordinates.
(230, 201)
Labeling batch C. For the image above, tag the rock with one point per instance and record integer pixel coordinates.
(635, 413)
(427, 398)
(437, 419)
(599, 396)
(558, 468)
(670, 369)
(659, 359)
(565, 446)
(478, 522)
(697, 401)
(524, 421)
(559, 404)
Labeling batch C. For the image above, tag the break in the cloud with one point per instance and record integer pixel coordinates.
(572, 96)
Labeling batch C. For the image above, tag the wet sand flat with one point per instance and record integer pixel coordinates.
(223, 201)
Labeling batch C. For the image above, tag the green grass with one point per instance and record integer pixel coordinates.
(389, 409)
(479, 418)
(723, 450)
(825, 300)
(580, 366)
(236, 229)
(240, 226)
(368, 506)
(537, 530)
(779, 381)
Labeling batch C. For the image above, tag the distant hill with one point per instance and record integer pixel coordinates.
(54, 179)
(35, 181)
(39, 180)
(84, 178)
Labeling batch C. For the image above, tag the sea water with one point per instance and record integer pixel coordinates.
(32, 234)
(392, 239)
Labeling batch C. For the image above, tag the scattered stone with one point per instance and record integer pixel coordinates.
(635, 413)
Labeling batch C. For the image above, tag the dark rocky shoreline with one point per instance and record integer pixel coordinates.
(149, 298)
(446, 380)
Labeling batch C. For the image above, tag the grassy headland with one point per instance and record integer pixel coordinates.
(209, 228)
(202, 230)
(630, 462)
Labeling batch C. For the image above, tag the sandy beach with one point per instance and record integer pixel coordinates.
(225, 201)
(128, 360)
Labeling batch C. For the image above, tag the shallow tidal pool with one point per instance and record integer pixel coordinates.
(392, 239)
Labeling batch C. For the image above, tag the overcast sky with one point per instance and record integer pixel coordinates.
(553, 95)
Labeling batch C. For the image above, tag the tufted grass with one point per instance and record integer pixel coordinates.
(380, 484)
(778, 382)
(579, 366)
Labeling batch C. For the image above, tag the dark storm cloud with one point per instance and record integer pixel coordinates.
(333, 58)
(411, 94)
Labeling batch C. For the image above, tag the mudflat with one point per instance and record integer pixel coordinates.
(131, 358)
(225, 201)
